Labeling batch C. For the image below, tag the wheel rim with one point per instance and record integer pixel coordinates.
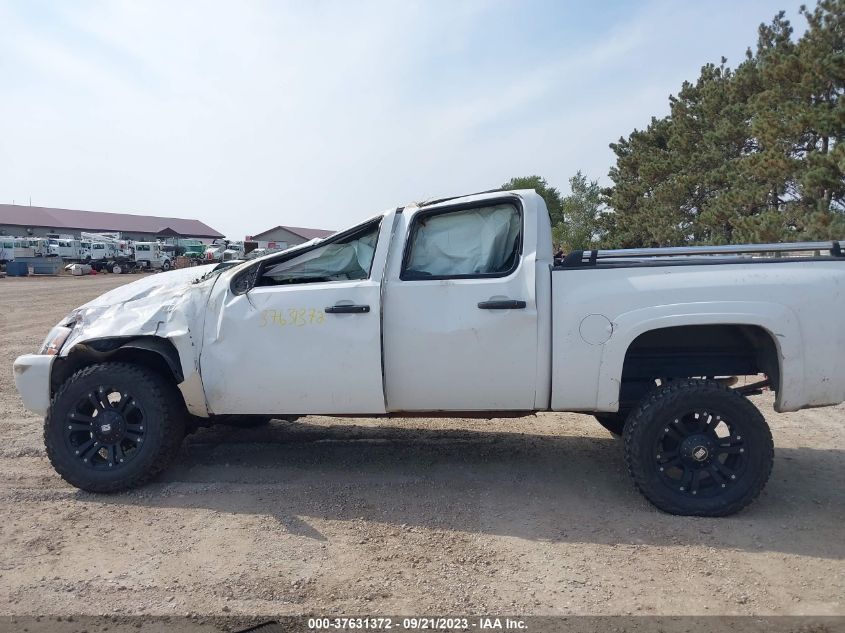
(701, 454)
(106, 429)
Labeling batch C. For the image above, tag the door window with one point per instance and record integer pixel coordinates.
(479, 242)
(348, 256)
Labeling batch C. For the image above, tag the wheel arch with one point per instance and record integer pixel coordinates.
(770, 330)
(154, 352)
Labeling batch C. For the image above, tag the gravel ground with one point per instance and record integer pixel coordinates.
(404, 516)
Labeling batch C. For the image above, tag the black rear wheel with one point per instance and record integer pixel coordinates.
(695, 447)
(113, 426)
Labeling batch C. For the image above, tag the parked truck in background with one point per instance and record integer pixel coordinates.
(40, 246)
(457, 307)
(103, 251)
(191, 248)
(68, 248)
(224, 251)
(12, 248)
(152, 256)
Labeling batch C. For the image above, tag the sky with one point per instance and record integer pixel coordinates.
(250, 114)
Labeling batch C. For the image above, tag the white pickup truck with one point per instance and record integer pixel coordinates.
(457, 307)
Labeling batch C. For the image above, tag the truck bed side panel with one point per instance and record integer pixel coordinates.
(598, 312)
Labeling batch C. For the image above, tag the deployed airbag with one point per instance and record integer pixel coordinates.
(476, 241)
(338, 261)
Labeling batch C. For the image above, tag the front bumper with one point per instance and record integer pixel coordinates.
(32, 378)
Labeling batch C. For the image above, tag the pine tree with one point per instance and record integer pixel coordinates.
(550, 194)
(751, 154)
(582, 209)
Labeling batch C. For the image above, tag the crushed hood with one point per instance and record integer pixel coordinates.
(169, 305)
(151, 285)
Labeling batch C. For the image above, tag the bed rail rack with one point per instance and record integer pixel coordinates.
(834, 248)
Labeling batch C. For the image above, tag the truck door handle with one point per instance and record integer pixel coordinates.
(347, 309)
(505, 304)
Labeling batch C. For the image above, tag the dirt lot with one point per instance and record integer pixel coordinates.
(532, 516)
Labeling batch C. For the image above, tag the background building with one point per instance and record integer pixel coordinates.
(287, 236)
(20, 220)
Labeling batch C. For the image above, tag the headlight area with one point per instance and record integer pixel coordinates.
(55, 339)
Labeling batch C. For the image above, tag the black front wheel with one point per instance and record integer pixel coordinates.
(696, 447)
(113, 426)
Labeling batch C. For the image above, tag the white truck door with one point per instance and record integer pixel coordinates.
(460, 314)
(306, 338)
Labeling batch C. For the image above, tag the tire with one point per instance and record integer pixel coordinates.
(116, 269)
(613, 422)
(165, 265)
(146, 421)
(696, 447)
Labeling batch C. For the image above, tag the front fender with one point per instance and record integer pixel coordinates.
(778, 320)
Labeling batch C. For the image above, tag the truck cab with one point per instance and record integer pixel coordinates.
(101, 251)
(7, 249)
(224, 251)
(66, 248)
(151, 255)
(40, 247)
(477, 264)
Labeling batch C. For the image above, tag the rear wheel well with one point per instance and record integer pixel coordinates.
(697, 351)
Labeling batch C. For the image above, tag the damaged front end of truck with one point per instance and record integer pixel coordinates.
(154, 322)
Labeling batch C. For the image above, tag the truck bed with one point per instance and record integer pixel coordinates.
(610, 308)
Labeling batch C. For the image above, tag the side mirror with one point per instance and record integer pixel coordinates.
(245, 280)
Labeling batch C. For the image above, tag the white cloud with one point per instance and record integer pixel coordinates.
(251, 114)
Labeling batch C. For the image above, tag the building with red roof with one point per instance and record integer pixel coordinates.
(21, 220)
